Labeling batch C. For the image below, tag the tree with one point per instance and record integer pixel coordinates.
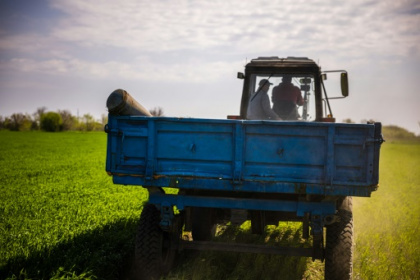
(40, 111)
(104, 120)
(51, 122)
(69, 121)
(157, 112)
(367, 121)
(89, 122)
(348, 121)
(19, 121)
(37, 117)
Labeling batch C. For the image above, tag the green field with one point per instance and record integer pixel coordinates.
(387, 224)
(60, 214)
(62, 218)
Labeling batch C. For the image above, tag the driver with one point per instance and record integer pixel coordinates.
(286, 97)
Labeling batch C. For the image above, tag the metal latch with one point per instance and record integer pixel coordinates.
(369, 141)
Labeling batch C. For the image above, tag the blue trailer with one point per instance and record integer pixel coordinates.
(266, 171)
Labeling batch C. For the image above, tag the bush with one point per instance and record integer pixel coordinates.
(51, 122)
(392, 132)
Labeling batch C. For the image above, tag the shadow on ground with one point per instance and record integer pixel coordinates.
(104, 253)
(107, 253)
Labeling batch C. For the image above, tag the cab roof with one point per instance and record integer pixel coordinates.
(289, 62)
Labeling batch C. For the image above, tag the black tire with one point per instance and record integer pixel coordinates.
(202, 224)
(155, 249)
(339, 244)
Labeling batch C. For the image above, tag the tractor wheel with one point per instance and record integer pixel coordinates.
(339, 244)
(202, 224)
(155, 249)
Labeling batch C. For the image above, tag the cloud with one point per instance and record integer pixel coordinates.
(139, 69)
(242, 26)
(161, 28)
(200, 40)
(201, 44)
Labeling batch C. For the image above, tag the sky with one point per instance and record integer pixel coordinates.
(183, 55)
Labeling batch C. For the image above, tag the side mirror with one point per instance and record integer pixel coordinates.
(241, 75)
(344, 84)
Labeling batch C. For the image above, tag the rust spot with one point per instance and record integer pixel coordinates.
(122, 175)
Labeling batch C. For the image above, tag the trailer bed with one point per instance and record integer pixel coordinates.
(241, 155)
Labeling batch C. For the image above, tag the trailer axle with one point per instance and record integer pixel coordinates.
(246, 248)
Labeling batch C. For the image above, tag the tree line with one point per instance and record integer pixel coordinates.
(62, 120)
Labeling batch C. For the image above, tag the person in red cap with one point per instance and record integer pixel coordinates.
(286, 97)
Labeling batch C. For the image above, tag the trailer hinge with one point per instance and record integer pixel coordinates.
(369, 141)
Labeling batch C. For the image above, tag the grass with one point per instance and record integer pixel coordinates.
(388, 223)
(62, 218)
(228, 265)
(60, 214)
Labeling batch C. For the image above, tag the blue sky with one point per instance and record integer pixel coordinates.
(183, 55)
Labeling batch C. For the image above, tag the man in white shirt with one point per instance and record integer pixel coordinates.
(259, 107)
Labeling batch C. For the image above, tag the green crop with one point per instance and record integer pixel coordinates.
(60, 214)
(387, 224)
(61, 217)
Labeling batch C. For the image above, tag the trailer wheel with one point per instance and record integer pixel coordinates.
(155, 249)
(339, 244)
(202, 224)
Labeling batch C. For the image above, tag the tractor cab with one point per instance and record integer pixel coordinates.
(295, 85)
